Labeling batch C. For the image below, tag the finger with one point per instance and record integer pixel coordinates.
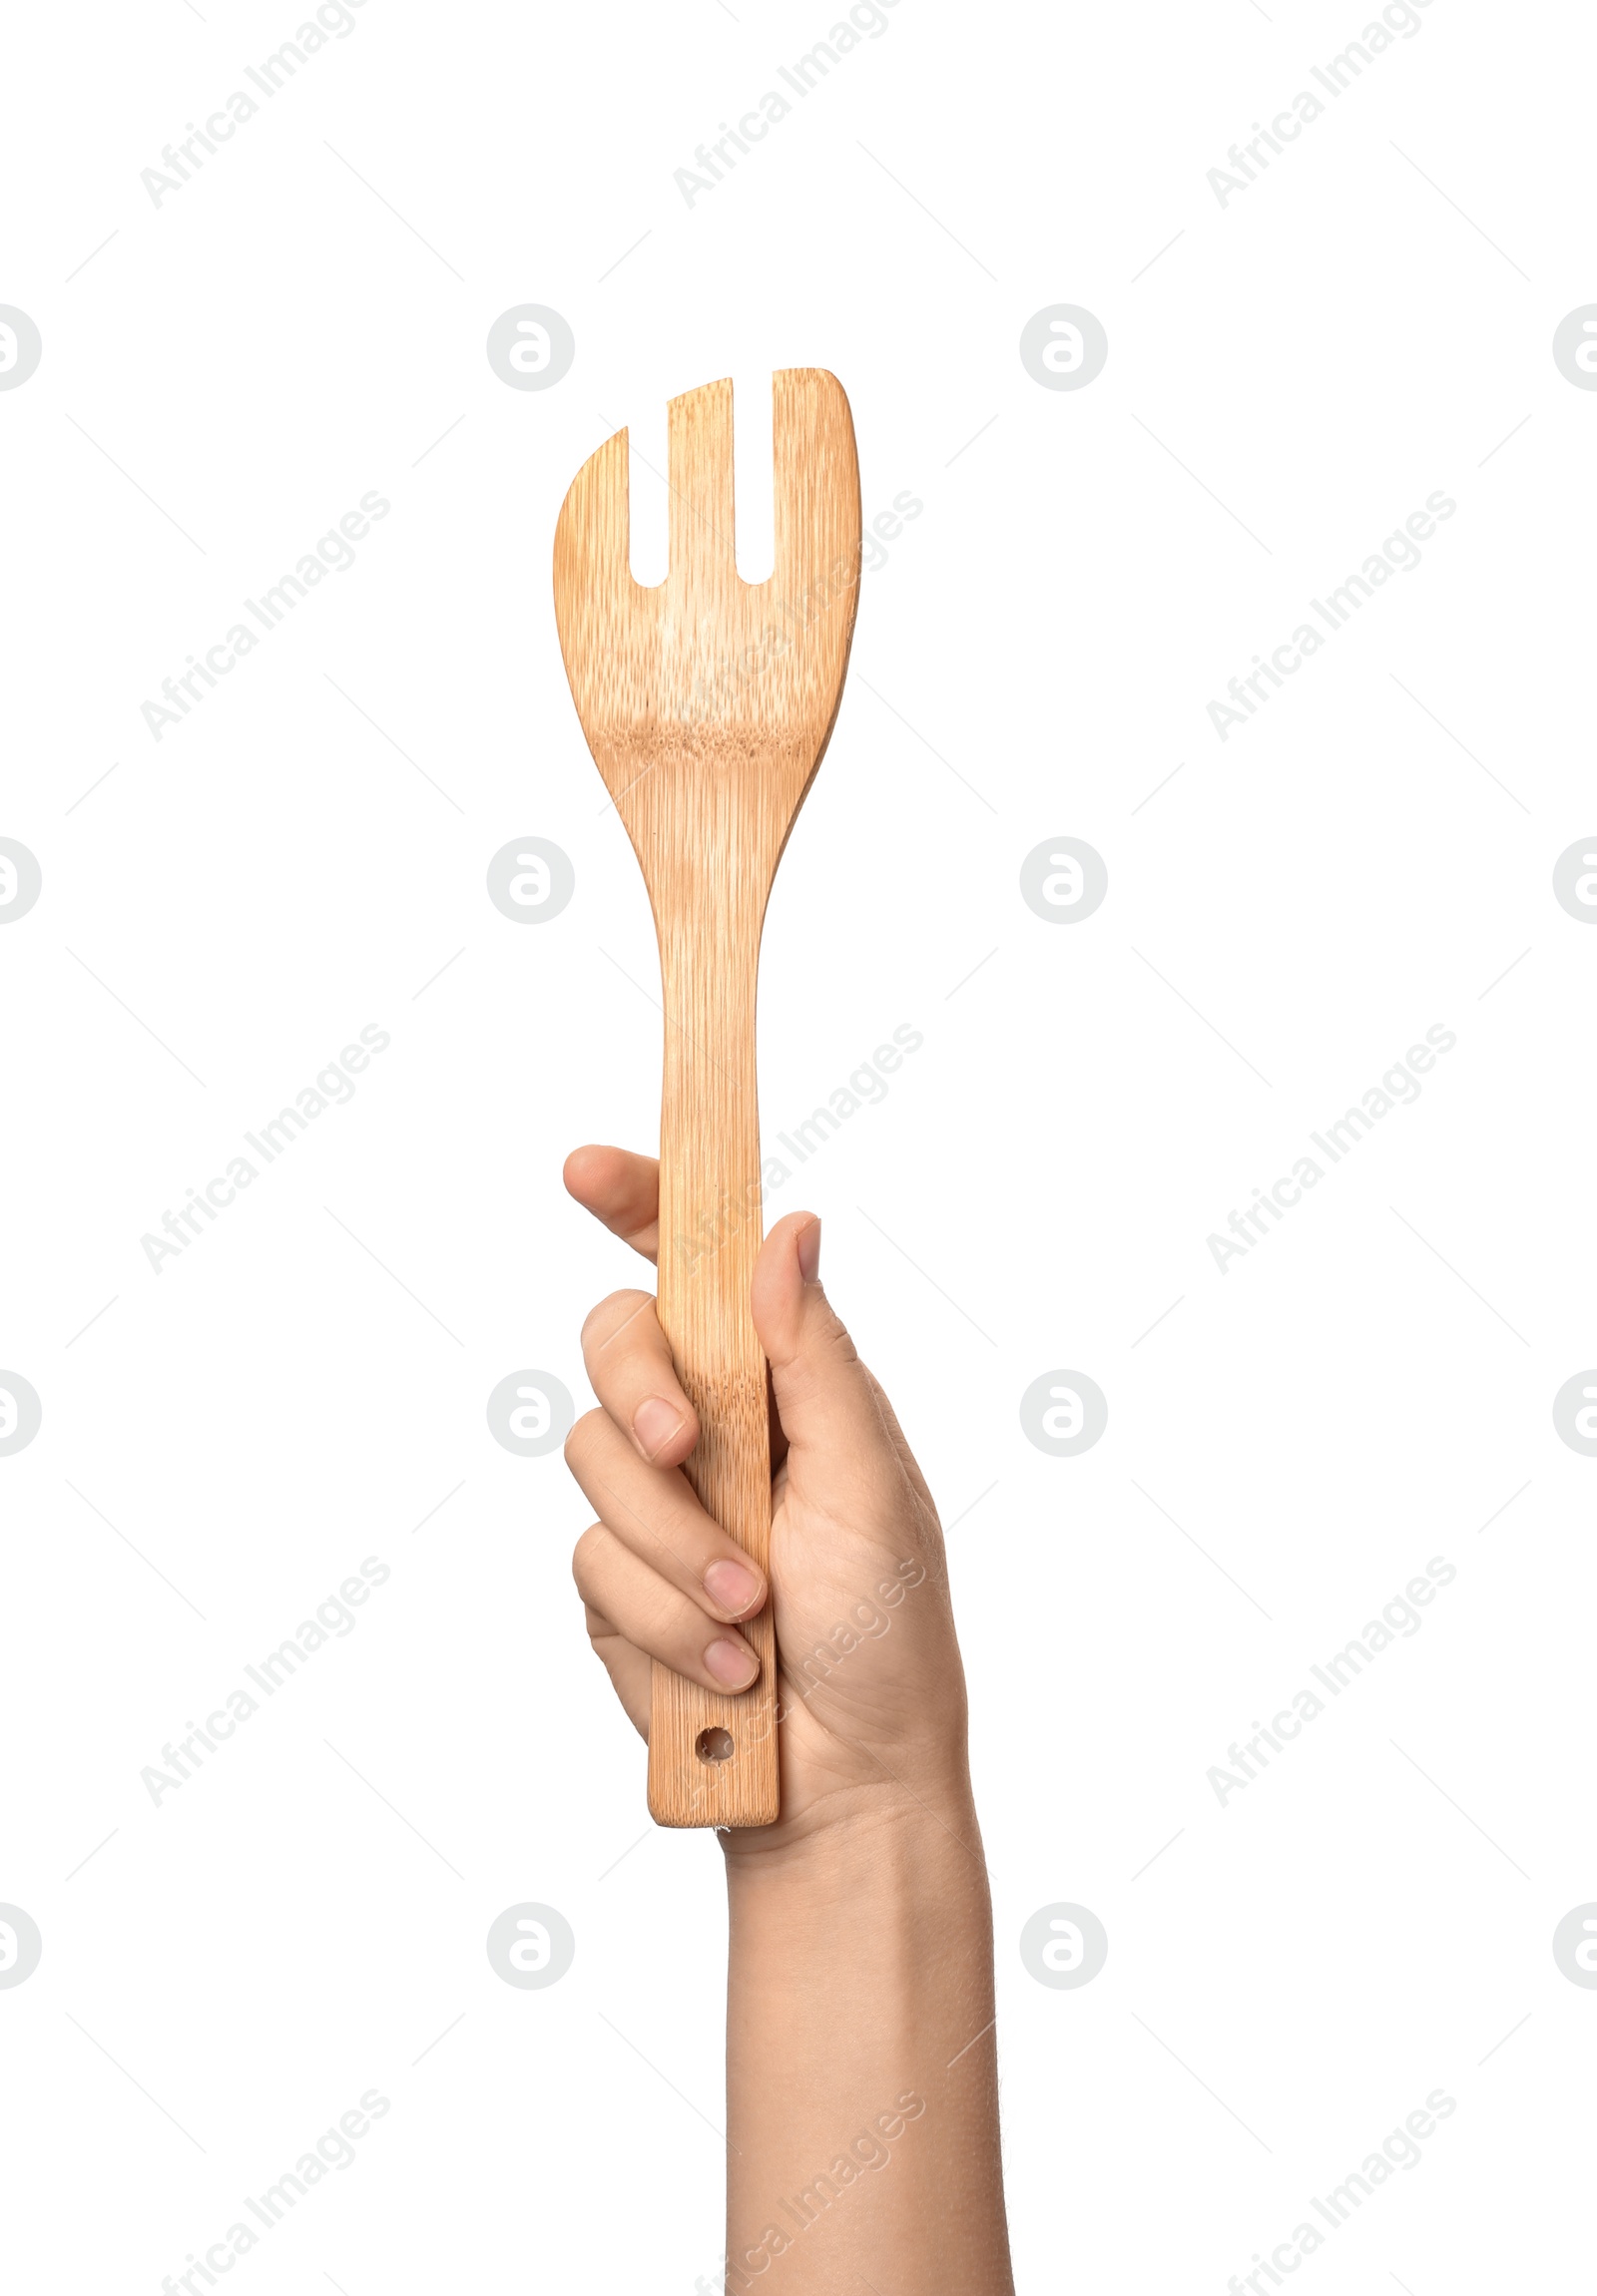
(629, 1670)
(620, 1188)
(825, 1394)
(654, 1512)
(654, 1617)
(631, 1372)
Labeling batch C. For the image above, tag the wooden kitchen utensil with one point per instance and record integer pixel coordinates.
(708, 702)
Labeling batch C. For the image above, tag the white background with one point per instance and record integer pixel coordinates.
(1368, 1388)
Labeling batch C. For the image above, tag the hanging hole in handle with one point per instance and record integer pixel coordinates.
(713, 1745)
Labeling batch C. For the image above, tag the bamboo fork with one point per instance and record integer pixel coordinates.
(707, 703)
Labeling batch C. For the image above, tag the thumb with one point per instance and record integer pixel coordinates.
(824, 1396)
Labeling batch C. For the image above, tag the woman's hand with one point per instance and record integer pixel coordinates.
(861, 2074)
(872, 1698)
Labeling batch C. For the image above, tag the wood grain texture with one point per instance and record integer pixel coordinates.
(707, 703)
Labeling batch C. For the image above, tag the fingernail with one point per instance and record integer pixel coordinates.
(731, 1587)
(810, 1251)
(732, 1664)
(653, 1423)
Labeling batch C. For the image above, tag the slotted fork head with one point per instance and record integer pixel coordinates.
(707, 677)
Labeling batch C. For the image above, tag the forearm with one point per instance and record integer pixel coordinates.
(861, 2073)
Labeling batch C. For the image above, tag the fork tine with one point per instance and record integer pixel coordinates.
(817, 486)
(593, 534)
(699, 467)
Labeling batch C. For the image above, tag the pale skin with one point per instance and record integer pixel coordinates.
(861, 2074)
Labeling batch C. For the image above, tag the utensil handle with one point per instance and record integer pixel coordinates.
(713, 1754)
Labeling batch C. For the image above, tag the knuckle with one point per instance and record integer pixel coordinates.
(580, 1442)
(826, 1350)
(612, 1315)
(585, 1558)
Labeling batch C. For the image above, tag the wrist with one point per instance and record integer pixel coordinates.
(876, 1928)
(873, 1838)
